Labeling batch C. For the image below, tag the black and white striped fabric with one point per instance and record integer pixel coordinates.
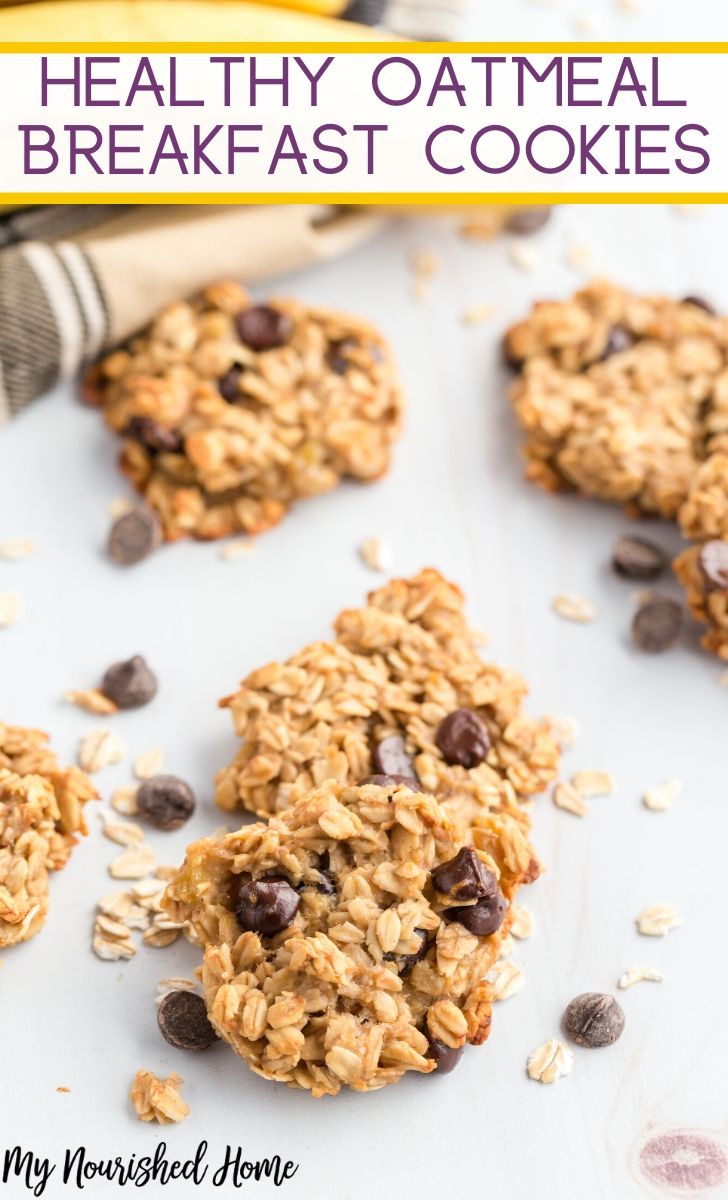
(420, 20)
(54, 312)
(53, 317)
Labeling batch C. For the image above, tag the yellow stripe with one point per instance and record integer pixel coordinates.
(451, 49)
(19, 199)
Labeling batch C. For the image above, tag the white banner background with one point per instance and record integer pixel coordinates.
(346, 98)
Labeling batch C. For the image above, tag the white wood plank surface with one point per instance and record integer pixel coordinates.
(455, 499)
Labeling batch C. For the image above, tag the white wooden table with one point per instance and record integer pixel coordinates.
(455, 499)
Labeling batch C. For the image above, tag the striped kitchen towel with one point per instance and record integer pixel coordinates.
(63, 299)
(420, 20)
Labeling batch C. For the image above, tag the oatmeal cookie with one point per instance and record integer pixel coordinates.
(348, 939)
(41, 811)
(621, 397)
(231, 411)
(401, 690)
(703, 568)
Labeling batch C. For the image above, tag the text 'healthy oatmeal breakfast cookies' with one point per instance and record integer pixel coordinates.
(348, 940)
(620, 396)
(41, 811)
(401, 691)
(230, 411)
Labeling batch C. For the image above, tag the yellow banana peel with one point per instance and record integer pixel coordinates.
(179, 21)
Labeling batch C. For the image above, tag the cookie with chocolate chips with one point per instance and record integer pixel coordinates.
(347, 940)
(400, 694)
(231, 411)
(620, 396)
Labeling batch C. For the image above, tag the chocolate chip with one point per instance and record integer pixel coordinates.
(713, 563)
(482, 918)
(525, 221)
(698, 302)
(406, 962)
(658, 624)
(637, 558)
(183, 1021)
(390, 757)
(408, 781)
(166, 801)
(153, 436)
(267, 906)
(619, 339)
(446, 1059)
(133, 536)
(228, 384)
(463, 877)
(462, 738)
(593, 1019)
(129, 684)
(337, 355)
(263, 328)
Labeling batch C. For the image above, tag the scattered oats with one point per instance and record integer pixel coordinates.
(137, 917)
(688, 211)
(506, 947)
(566, 796)
(507, 979)
(640, 975)
(110, 928)
(565, 729)
(424, 265)
(642, 596)
(11, 609)
(134, 863)
(550, 1061)
(159, 938)
(723, 679)
(478, 313)
(585, 23)
(116, 905)
(124, 833)
(92, 700)
(579, 257)
(119, 506)
(124, 800)
(146, 888)
(628, 6)
(100, 749)
(593, 783)
(112, 950)
(523, 256)
(376, 553)
(148, 764)
(15, 549)
(573, 608)
(167, 873)
(238, 548)
(175, 983)
(64, 1090)
(522, 922)
(658, 798)
(658, 920)
(157, 1099)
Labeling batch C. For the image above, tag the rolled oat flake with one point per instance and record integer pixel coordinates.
(130, 683)
(133, 536)
(658, 624)
(638, 558)
(594, 1019)
(183, 1021)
